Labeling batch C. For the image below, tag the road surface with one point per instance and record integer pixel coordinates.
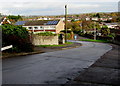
(56, 67)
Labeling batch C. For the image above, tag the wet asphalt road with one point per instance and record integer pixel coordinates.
(56, 67)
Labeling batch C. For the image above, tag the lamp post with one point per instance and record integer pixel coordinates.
(65, 23)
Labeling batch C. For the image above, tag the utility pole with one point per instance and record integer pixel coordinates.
(94, 31)
(65, 23)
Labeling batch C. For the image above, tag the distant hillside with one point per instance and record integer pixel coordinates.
(75, 16)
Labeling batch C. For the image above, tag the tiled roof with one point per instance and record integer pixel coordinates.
(4, 20)
(52, 22)
(20, 22)
(42, 22)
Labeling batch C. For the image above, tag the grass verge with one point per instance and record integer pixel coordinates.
(68, 43)
(92, 40)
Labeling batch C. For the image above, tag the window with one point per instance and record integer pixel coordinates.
(52, 26)
(36, 27)
(46, 26)
(30, 28)
(41, 27)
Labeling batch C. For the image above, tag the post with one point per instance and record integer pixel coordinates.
(33, 30)
(65, 23)
(94, 31)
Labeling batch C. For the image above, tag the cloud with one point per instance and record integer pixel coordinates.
(61, 1)
(23, 7)
(73, 6)
(54, 8)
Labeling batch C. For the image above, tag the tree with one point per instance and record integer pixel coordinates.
(105, 31)
(14, 18)
(0, 15)
(72, 20)
(98, 15)
(118, 19)
(17, 36)
(87, 25)
(112, 35)
(77, 16)
(76, 26)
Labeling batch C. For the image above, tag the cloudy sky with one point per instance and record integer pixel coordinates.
(56, 7)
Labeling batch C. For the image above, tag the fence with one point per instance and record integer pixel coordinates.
(7, 47)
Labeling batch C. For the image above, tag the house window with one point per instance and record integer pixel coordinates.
(30, 28)
(36, 27)
(46, 26)
(52, 26)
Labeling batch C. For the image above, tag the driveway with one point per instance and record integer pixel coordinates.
(56, 67)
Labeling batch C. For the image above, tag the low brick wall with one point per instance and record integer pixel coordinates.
(44, 40)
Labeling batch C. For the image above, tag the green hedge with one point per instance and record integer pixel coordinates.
(16, 36)
(46, 34)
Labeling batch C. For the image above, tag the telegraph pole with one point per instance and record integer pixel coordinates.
(94, 31)
(65, 23)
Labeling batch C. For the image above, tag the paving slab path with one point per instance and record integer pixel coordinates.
(56, 67)
(104, 72)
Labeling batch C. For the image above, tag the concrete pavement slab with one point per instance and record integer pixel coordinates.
(104, 71)
(100, 75)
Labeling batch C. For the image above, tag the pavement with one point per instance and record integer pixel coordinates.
(57, 48)
(39, 50)
(104, 72)
(57, 67)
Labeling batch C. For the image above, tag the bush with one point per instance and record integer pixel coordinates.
(104, 38)
(117, 38)
(46, 34)
(68, 36)
(16, 36)
(81, 34)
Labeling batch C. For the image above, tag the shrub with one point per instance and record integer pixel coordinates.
(16, 36)
(46, 34)
(68, 36)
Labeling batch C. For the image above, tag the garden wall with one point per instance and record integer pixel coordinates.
(44, 40)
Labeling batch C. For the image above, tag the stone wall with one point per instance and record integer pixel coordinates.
(44, 40)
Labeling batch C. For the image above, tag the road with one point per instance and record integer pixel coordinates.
(56, 67)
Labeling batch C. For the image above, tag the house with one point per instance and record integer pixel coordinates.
(4, 20)
(103, 19)
(43, 18)
(95, 19)
(87, 19)
(37, 26)
(111, 25)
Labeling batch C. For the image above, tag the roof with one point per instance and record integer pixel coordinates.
(20, 22)
(38, 22)
(110, 23)
(3, 20)
(52, 22)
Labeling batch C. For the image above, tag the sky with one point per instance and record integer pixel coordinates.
(56, 7)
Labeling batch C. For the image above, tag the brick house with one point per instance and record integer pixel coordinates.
(37, 26)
